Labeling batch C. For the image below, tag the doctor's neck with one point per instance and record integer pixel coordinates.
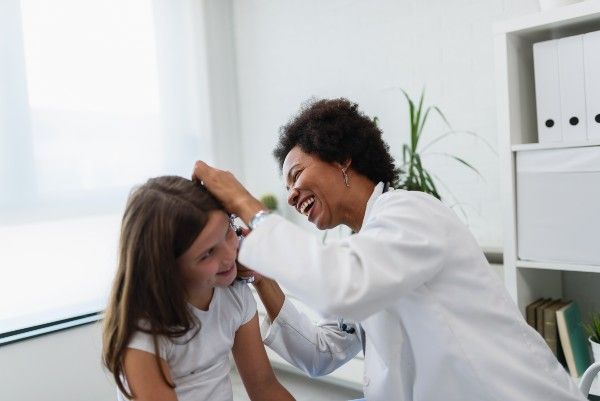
(357, 195)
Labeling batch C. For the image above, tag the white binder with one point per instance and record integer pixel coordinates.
(572, 88)
(547, 91)
(591, 55)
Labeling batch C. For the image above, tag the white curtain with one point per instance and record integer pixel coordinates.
(95, 97)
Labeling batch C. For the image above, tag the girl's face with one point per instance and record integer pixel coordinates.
(210, 261)
(316, 188)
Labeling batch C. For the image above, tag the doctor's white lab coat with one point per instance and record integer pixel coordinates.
(438, 323)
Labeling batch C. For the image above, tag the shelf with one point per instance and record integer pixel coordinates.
(559, 17)
(554, 145)
(557, 266)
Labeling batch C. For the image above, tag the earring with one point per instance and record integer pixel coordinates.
(345, 177)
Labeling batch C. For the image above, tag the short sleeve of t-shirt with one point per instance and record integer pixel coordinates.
(246, 300)
(144, 342)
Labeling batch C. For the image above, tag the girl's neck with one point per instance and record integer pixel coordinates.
(201, 299)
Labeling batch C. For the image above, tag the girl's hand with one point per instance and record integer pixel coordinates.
(225, 187)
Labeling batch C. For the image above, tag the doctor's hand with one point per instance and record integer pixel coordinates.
(243, 272)
(227, 189)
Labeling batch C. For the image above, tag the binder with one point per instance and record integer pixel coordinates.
(591, 56)
(547, 91)
(572, 88)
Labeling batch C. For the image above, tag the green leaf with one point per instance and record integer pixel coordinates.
(443, 116)
(413, 121)
(417, 121)
(450, 133)
(458, 159)
(420, 128)
(434, 190)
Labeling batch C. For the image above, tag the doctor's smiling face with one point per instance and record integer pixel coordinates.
(326, 138)
(315, 188)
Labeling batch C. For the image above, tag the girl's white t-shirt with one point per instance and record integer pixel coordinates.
(200, 367)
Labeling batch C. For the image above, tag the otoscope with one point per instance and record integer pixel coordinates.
(239, 232)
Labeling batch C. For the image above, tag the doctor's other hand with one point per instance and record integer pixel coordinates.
(224, 186)
(243, 272)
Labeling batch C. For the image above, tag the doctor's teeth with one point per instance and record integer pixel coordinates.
(305, 204)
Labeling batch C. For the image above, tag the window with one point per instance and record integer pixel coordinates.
(97, 96)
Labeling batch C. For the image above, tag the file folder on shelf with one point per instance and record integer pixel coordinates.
(557, 198)
(572, 88)
(591, 54)
(547, 91)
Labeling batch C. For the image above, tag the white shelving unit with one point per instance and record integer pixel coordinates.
(517, 132)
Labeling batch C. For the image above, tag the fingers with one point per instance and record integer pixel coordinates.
(201, 170)
(244, 273)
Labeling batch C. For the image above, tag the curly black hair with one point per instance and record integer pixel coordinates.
(336, 131)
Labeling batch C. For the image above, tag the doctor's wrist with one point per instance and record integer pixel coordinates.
(271, 296)
(248, 209)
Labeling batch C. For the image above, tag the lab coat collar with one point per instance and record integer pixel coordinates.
(377, 191)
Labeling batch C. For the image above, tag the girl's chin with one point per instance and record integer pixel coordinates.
(226, 278)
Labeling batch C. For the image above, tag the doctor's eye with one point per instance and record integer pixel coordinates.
(295, 176)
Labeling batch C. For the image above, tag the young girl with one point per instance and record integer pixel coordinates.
(174, 314)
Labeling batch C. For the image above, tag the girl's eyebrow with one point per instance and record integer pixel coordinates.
(204, 250)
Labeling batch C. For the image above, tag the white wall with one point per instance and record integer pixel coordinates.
(285, 52)
(62, 366)
(288, 51)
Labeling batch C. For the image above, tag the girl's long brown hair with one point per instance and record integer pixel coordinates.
(162, 219)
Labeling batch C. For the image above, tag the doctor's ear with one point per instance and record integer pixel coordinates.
(345, 165)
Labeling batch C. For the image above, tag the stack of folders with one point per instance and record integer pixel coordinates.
(559, 323)
(567, 88)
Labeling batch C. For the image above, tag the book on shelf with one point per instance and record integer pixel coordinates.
(572, 338)
(539, 315)
(551, 330)
(530, 311)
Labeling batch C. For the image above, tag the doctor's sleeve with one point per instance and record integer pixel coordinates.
(316, 349)
(401, 246)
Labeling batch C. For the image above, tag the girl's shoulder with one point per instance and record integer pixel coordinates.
(238, 296)
(238, 293)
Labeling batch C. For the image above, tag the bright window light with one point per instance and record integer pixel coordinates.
(86, 123)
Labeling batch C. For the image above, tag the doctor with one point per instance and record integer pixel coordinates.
(435, 321)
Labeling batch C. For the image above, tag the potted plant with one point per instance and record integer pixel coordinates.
(593, 331)
(270, 201)
(415, 175)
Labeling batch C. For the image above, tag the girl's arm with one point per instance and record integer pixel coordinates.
(144, 378)
(253, 365)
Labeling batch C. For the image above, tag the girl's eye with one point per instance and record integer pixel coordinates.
(207, 255)
(296, 174)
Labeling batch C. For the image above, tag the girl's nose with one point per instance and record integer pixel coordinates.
(230, 252)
